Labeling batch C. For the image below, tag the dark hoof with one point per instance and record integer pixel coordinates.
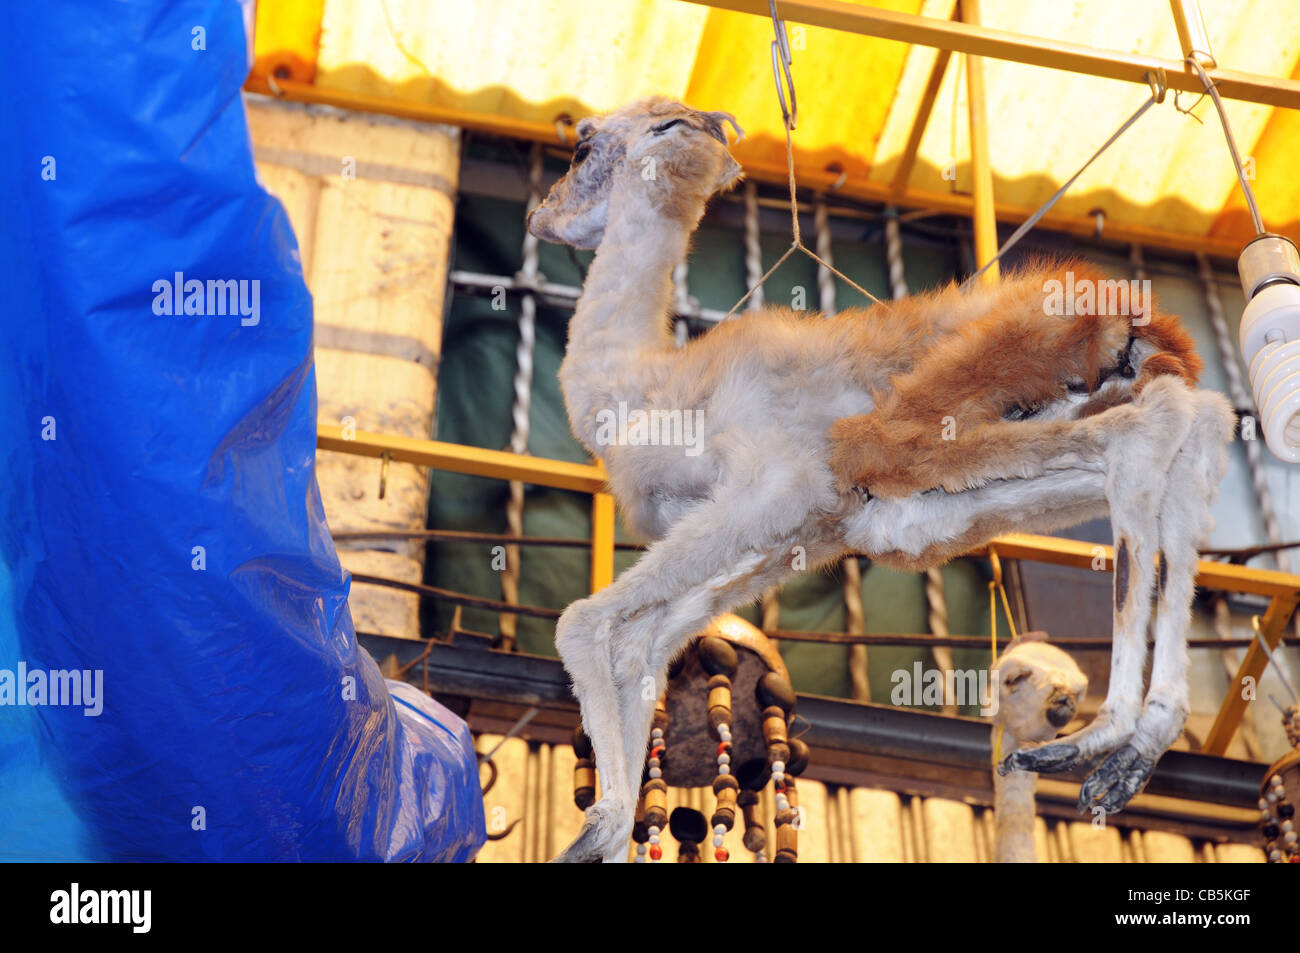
(1116, 781)
(1048, 759)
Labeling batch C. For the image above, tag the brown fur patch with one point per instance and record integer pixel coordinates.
(939, 421)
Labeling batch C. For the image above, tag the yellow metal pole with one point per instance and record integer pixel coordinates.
(457, 458)
(1192, 36)
(968, 37)
(602, 540)
(1228, 577)
(920, 121)
(1252, 667)
(981, 166)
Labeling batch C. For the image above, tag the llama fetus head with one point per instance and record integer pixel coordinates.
(1039, 689)
(657, 156)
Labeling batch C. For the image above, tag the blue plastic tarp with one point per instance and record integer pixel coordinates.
(163, 549)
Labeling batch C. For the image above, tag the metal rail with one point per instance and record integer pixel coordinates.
(1282, 589)
(868, 731)
(1017, 48)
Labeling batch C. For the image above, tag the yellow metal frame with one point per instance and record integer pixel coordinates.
(288, 69)
(970, 38)
(495, 464)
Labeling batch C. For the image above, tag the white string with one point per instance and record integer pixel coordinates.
(797, 244)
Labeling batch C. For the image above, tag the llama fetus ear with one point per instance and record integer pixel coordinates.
(713, 123)
(731, 173)
(1011, 672)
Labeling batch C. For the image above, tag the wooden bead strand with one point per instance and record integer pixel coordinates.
(690, 828)
(776, 695)
(1277, 820)
(654, 792)
(753, 777)
(719, 659)
(787, 834)
(1277, 810)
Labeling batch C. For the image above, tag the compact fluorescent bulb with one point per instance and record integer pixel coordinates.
(1270, 338)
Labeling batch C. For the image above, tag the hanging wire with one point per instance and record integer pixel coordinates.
(1157, 95)
(1281, 673)
(1211, 87)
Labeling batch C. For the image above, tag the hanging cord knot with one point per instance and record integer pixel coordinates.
(789, 113)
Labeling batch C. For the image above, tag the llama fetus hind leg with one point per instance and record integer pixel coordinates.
(1138, 458)
(1185, 524)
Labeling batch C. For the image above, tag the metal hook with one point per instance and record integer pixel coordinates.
(1159, 84)
(781, 61)
(1098, 215)
(386, 457)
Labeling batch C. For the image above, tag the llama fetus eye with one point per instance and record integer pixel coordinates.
(663, 127)
(1018, 412)
(1126, 366)
(581, 152)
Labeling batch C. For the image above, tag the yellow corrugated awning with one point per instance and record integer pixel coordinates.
(511, 64)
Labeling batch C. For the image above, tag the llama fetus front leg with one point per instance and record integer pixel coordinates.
(1138, 456)
(583, 639)
(727, 552)
(1185, 524)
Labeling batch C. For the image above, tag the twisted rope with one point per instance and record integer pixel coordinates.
(935, 597)
(825, 280)
(754, 276)
(681, 302)
(1242, 399)
(520, 413)
(770, 602)
(1137, 262)
(854, 616)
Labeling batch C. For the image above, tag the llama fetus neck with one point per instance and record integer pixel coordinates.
(1013, 810)
(619, 339)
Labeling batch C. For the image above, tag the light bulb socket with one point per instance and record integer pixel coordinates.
(1268, 259)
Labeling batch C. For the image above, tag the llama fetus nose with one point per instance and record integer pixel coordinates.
(1060, 709)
